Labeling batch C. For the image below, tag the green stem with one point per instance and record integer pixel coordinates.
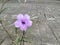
(2, 7)
(22, 39)
(6, 32)
(16, 30)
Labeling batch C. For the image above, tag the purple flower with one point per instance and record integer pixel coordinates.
(23, 22)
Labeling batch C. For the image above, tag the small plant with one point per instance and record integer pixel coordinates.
(23, 22)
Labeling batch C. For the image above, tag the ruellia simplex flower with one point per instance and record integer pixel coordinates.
(23, 22)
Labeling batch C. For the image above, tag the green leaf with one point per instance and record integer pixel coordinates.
(19, 0)
(19, 40)
(26, 39)
(0, 21)
(25, 0)
(2, 10)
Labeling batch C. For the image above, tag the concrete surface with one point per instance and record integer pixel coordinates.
(45, 16)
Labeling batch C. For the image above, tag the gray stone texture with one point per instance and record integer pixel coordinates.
(45, 15)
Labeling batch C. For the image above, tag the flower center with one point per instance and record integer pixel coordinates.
(23, 22)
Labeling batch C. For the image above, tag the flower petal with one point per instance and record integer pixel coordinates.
(29, 23)
(17, 24)
(23, 27)
(20, 16)
(27, 16)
